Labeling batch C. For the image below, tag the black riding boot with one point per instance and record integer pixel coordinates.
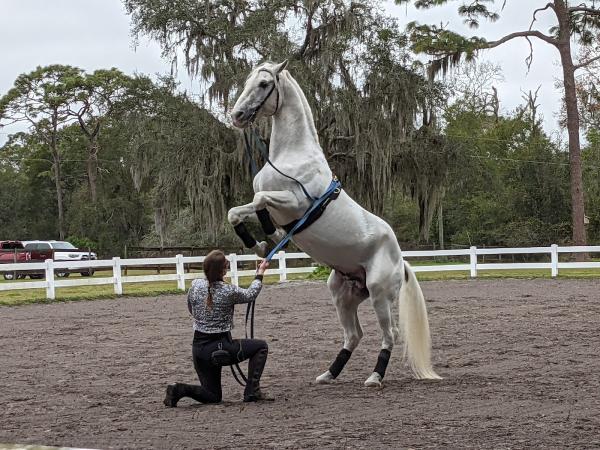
(256, 365)
(173, 395)
(177, 391)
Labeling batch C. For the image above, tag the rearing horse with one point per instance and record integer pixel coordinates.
(360, 247)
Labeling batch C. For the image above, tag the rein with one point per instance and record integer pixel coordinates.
(264, 152)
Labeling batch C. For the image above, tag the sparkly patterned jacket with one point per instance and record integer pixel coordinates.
(218, 318)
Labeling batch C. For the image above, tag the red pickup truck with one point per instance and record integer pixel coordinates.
(13, 252)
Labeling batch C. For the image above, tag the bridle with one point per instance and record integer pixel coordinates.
(274, 87)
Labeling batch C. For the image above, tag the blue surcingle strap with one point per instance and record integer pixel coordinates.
(334, 189)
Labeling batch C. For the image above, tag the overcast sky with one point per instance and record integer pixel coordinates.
(94, 34)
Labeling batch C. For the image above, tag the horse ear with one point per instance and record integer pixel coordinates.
(280, 67)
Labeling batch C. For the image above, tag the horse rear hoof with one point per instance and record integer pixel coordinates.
(374, 381)
(325, 378)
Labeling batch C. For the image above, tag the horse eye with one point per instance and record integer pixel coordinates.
(263, 84)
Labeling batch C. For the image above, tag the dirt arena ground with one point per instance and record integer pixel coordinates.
(520, 361)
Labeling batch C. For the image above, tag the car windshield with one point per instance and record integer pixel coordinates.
(63, 246)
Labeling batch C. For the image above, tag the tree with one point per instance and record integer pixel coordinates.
(42, 99)
(581, 22)
(473, 85)
(30, 210)
(13, 180)
(512, 188)
(588, 90)
(180, 155)
(591, 155)
(121, 215)
(95, 97)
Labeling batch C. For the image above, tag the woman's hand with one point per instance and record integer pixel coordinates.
(262, 267)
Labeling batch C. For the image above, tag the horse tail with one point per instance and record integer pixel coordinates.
(415, 326)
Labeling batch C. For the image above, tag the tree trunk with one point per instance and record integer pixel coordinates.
(577, 200)
(441, 225)
(92, 169)
(59, 199)
(57, 176)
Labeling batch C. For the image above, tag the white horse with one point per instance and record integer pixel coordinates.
(360, 247)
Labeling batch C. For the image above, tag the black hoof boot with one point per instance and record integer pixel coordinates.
(173, 395)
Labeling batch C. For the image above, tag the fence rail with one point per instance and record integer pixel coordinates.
(118, 265)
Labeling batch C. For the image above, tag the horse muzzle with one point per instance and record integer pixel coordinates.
(241, 119)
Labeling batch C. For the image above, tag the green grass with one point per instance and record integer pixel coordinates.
(518, 274)
(21, 297)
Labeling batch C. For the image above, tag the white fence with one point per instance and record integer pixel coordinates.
(50, 283)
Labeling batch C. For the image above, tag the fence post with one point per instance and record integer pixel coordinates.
(282, 266)
(473, 260)
(50, 288)
(180, 272)
(117, 282)
(233, 269)
(554, 259)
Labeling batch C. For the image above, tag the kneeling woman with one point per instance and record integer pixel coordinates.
(211, 302)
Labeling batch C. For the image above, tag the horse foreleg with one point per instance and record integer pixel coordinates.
(346, 297)
(236, 217)
(284, 200)
(267, 225)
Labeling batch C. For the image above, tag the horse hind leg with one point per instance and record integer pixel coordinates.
(346, 297)
(383, 293)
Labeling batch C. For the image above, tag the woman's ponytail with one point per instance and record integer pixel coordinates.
(214, 266)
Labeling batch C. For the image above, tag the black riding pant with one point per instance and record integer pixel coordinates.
(209, 369)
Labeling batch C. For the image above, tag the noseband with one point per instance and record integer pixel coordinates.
(275, 84)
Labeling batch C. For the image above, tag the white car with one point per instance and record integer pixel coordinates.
(59, 251)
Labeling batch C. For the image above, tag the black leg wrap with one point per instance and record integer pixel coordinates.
(382, 362)
(340, 361)
(244, 234)
(265, 221)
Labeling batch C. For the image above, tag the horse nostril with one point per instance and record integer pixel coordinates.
(237, 115)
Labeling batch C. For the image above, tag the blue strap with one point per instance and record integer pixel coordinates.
(335, 184)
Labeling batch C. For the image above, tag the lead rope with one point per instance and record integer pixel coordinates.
(241, 374)
(249, 312)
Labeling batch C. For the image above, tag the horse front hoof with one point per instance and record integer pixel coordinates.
(325, 378)
(261, 249)
(374, 381)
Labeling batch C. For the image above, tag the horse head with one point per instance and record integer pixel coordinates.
(261, 95)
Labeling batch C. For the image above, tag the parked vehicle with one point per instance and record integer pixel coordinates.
(13, 252)
(60, 251)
